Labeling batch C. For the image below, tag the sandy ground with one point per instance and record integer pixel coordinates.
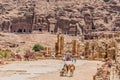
(46, 70)
(27, 41)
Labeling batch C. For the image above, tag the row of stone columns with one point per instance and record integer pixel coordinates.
(108, 52)
(59, 47)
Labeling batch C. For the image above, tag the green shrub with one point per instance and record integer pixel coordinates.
(38, 47)
(3, 54)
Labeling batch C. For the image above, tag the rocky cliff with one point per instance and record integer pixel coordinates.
(103, 13)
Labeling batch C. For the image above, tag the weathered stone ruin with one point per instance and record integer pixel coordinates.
(100, 49)
(92, 49)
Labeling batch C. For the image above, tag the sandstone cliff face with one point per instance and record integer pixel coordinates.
(102, 14)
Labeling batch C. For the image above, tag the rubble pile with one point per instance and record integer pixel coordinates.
(103, 73)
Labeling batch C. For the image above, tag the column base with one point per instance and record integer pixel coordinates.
(47, 55)
(58, 55)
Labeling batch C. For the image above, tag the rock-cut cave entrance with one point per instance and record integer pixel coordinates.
(19, 31)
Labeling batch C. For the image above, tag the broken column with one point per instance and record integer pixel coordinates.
(47, 51)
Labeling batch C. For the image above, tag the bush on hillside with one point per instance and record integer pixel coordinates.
(37, 47)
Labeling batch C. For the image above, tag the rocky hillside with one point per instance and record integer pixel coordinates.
(16, 8)
(97, 15)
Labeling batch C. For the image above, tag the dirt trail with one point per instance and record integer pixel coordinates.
(84, 71)
(46, 70)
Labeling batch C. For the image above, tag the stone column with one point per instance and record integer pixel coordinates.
(59, 43)
(47, 52)
(74, 48)
(59, 46)
(87, 50)
(56, 48)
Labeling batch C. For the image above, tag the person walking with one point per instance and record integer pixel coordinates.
(64, 59)
(74, 60)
